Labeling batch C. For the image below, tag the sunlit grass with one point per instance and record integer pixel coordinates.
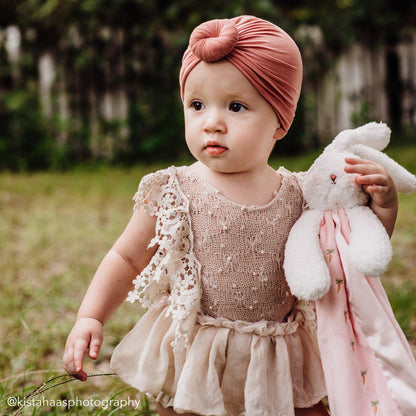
(55, 228)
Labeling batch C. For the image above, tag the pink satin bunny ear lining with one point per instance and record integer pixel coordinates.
(264, 53)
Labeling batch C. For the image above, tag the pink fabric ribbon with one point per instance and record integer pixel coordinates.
(368, 364)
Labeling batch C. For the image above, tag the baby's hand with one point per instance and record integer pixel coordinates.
(375, 180)
(87, 333)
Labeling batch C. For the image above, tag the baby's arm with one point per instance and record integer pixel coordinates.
(377, 182)
(108, 289)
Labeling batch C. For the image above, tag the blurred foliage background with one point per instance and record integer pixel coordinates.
(97, 80)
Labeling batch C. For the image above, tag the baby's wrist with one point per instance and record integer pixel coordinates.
(387, 215)
(88, 318)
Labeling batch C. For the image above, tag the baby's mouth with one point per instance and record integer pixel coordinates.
(215, 149)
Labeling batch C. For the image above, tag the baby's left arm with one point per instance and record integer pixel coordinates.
(377, 183)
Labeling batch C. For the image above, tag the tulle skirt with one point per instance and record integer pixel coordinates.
(228, 367)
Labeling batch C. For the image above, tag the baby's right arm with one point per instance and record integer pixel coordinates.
(108, 289)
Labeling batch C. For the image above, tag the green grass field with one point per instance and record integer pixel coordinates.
(56, 227)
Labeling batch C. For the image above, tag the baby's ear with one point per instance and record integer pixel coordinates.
(278, 134)
(374, 135)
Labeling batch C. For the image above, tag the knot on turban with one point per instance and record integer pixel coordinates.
(264, 53)
(213, 40)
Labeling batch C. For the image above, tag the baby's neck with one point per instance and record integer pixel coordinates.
(244, 188)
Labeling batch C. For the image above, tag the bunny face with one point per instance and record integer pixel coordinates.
(328, 186)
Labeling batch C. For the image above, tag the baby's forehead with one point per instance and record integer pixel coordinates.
(219, 78)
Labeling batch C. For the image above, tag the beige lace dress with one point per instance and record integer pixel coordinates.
(223, 334)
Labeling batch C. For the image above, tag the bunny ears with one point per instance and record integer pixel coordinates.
(264, 53)
(367, 142)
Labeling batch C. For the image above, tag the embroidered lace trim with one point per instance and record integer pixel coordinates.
(173, 271)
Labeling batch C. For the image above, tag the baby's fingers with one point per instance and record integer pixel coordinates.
(95, 346)
(362, 166)
(70, 366)
(375, 189)
(68, 360)
(80, 349)
(372, 179)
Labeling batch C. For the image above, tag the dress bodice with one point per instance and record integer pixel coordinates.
(241, 248)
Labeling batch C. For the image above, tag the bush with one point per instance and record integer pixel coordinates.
(25, 143)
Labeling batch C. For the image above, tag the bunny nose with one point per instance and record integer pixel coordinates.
(333, 177)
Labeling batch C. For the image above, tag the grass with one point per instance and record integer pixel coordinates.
(56, 227)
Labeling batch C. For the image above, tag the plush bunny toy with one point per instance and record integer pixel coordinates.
(332, 255)
(326, 187)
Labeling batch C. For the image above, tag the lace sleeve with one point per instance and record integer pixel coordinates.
(149, 191)
(297, 179)
(173, 273)
(300, 177)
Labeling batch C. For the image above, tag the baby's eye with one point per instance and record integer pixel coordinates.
(197, 105)
(237, 107)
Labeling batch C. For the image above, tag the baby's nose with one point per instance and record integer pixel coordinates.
(214, 121)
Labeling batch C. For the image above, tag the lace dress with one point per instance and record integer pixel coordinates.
(223, 334)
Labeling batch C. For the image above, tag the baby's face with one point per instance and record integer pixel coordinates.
(229, 126)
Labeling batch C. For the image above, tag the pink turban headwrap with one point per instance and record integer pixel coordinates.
(265, 54)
